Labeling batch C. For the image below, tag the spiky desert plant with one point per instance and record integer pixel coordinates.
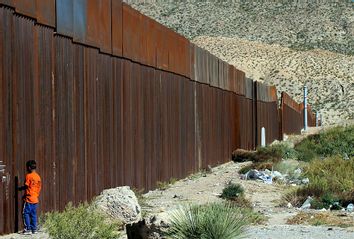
(209, 221)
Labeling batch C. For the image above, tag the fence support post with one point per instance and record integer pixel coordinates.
(305, 107)
(263, 137)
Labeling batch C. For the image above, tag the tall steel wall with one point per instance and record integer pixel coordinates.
(132, 106)
(292, 116)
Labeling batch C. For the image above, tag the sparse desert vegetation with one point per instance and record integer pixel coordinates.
(82, 221)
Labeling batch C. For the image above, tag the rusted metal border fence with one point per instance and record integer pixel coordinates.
(292, 116)
(101, 96)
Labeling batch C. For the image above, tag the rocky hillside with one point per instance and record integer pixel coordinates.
(329, 76)
(286, 43)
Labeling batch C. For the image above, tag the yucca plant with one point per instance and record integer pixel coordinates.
(209, 221)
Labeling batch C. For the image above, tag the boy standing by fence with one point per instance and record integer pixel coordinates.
(32, 186)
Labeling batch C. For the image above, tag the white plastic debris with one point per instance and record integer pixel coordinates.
(307, 203)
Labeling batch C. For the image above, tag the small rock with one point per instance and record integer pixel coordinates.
(289, 205)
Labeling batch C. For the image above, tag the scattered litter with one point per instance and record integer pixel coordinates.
(307, 203)
(258, 175)
(268, 176)
(345, 156)
(335, 206)
(305, 181)
(350, 207)
(297, 173)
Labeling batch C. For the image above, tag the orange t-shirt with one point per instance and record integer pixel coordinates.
(33, 183)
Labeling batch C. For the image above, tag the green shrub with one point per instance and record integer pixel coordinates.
(288, 167)
(246, 168)
(274, 153)
(306, 150)
(331, 180)
(336, 141)
(79, 222)
(232, 191)
(166, 185)
(210, 221)
(268, 153)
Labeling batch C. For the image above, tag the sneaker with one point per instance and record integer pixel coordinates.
(26, 232)
(34, 232)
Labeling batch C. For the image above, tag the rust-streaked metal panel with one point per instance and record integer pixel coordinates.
(9, 3)
(213, 70)
(192, 62)
(148, 41)
(132, 30)
(198, 64)
(65, 17)
(223, 74)
(140, 38)
(117, 28)
(240, 82)
(98, 24)
(266, 93)
(249, 88)
(44, 123)
(162, 49)
(291, 116)
(45, 12)
(26, 7)
(268, 117)
(118, 166)
(6, 121)
(79, 21)
(232, 79)
(41, 10)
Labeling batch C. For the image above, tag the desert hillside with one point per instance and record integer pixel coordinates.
(286, 43)
(329, 76)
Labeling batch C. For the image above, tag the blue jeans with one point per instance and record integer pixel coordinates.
(30, 216)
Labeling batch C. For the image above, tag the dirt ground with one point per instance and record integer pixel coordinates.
(206, 187)
(264, 197)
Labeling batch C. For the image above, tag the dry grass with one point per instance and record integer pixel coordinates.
(338, 219)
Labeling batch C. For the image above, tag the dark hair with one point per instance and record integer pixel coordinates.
(31, 164)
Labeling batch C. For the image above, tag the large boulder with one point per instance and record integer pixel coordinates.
(120, 203)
